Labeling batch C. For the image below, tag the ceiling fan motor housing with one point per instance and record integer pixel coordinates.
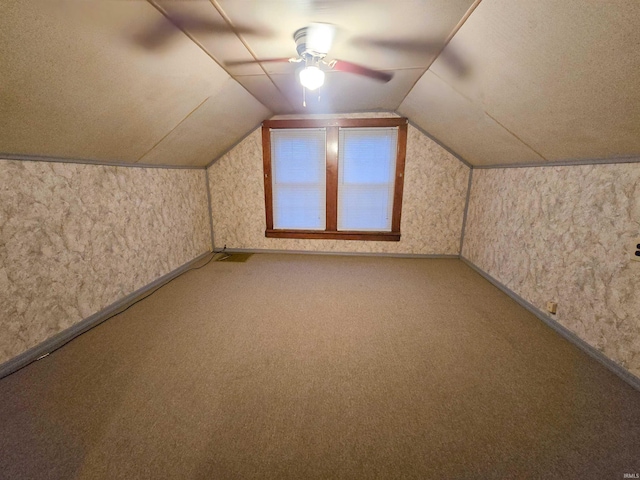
(300, 37)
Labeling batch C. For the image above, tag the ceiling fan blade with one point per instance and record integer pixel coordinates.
(342, 66)
(161, 31)
(434, 47)
(417, 46)
(263, 60)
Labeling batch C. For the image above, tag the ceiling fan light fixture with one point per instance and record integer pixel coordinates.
(311, 77)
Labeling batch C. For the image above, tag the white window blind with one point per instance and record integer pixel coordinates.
(298, 165)
(366, 178)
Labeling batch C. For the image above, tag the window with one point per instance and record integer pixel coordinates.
(338, 179)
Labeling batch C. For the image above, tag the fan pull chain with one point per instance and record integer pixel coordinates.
(304, 96)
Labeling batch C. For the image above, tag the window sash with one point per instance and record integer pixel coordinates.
(366, 178)
(299, 179)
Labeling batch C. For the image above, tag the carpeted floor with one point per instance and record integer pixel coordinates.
(304, 366)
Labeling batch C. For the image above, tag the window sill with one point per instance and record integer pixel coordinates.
(334, 235)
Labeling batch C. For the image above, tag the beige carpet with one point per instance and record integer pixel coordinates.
(292, 366)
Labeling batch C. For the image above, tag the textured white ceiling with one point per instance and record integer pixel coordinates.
(117, 81)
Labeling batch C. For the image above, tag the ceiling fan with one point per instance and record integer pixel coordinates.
(313, 43)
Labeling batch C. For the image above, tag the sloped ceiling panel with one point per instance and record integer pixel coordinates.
(562, 77)
(211, 129)
(462, 125)
(262, 87)
(76, 85)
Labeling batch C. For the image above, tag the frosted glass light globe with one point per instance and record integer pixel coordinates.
(311, 77)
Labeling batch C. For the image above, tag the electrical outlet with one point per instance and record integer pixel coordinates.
(552, 307)
(635, 250)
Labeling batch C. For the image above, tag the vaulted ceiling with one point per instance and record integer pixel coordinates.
(158, 82)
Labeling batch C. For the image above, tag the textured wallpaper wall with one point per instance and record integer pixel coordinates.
(565, 234)
(434, 197)
(76, 238)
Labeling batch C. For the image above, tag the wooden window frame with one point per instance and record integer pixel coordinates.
(332, 127)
